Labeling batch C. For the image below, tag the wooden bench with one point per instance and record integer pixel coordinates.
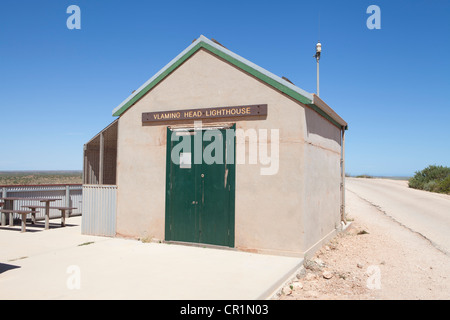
(62, 209)
(23, 213)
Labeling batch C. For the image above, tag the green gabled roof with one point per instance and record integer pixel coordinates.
(241, 63)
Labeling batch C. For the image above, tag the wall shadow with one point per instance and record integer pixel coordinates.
(315, 125)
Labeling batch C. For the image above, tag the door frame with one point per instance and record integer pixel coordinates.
(231, 176)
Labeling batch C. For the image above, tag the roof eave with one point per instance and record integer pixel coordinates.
(330, 113)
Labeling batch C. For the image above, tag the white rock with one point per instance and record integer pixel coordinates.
(297, 285)
(287, 290)
(301, 273)
(319, 262)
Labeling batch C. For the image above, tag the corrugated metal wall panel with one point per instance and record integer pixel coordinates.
(99, 210)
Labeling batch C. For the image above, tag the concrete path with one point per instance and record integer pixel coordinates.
(425, 213)
(60, 263)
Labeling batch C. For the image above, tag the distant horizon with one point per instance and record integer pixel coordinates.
(40, 170)
(80, 171)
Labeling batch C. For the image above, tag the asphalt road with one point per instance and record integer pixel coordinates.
(425, 213)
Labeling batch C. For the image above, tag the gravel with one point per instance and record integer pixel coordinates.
(375, 258)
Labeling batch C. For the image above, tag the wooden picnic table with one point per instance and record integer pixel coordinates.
(9, 204)
(23, 213)
(62, 209)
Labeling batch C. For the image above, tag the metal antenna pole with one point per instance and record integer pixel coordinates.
(318, 77)
(317, 56)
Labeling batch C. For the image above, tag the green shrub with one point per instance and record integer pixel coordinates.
(430, 185)
(364, 176)
(444, 185)
(433, 178)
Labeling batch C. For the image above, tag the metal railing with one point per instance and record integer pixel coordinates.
(70, 195)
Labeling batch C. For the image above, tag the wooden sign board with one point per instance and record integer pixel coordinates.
(208, 113)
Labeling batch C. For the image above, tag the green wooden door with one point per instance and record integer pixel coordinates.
(200, 194)
(181, 195)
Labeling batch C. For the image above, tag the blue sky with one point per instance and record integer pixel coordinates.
(58, 87)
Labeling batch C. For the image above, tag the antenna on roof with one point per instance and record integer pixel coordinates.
(318, 27)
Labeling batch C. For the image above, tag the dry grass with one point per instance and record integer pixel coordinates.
(40, 177)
